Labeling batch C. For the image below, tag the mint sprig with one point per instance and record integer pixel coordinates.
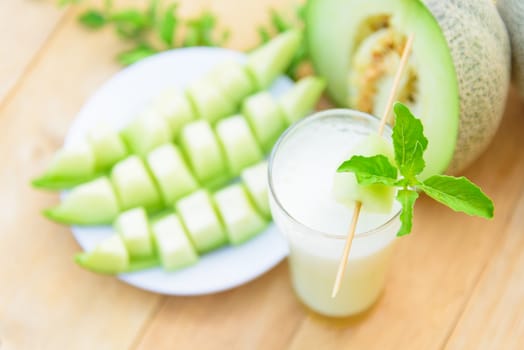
(409, 143)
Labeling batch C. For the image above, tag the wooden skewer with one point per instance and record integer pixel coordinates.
(358, 205)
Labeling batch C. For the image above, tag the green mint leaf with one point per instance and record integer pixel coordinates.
(371, 170)
(459, 194)
(93, 19)
(152, 11)
(130, 23)
(409, 142)
(407, 199)
(263, 33)
(278, 21)
(166, 29)
(129, 57)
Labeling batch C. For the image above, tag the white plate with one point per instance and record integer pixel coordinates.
(115, 104)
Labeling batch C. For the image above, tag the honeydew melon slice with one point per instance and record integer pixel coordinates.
(134, 186)
(133, 227)
(255, 180)
(146, 132)
(233, 81)
(92, 203)
(208, 101)
(265, 118)
(458, 69)
(173, 106)
(171, 173)
(374, 198)
(238, 142)
(108, 147)
(70, 166)
(109, 257)
(203, 152)
(201, 221)
(241, 220)
(301, 99)
(267, 62)
(172, 244)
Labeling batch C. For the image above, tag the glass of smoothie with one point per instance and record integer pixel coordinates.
(301, 171)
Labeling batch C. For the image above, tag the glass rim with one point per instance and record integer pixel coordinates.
(319, 115)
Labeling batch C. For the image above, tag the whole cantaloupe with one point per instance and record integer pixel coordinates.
(512, 12)
(457, 78)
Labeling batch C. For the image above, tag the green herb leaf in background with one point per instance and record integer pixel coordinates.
(93, 19)
(134, 55)
(371, 170)
(167, 25)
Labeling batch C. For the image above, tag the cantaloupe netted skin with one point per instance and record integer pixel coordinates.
(479, 46)
(512, 12)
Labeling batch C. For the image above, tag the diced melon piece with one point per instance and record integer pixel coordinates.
(108, 147)
(109, 257)
(134, 185)
(374, 198)
(208, 101)
(173, 106)
(133, 227)
(201, 221)
(301, 99)
(232, 79)
(267, 62)
(171, 173)
(240, 218)
(255, 180)
(92, 203)
(146, 132)
(69, 167)
(265, 117)
(203, 152)
(172, 244)
(239, 143)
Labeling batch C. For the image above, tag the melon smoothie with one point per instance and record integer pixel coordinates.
(315, 224)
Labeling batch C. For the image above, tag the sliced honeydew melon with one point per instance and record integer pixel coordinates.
(374, 198)
(173, 246)
(146, 132)
(241, 220)
(92, 203)
(69, 167)
(233, 81)
(109, 257)
(267, 62)
(201, 221)
(265, 118)
(239, 144)
(108, 146)
(133, 227)
(134, 185)
(203, 152)
(255, 180)
(301, 99)
(208, 101)
(171, 173)
(174, 106)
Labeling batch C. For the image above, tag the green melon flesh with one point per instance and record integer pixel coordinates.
(265, 118)
(267, 62)
(208, 101)
(241, 220)
(133, 227)
(108, 147)
(171, 173)
(239, 144)
(255, 180)
(172, 244)
(109, 257)
(301, 99)
(134, 185)
(173, 106)
(201, 221)
(458, 69)
(69, 167)
(146, 132)
(203, 152)
(92, 203)
(232, 80)
(374, 198)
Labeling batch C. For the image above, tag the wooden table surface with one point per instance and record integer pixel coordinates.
(455, 283)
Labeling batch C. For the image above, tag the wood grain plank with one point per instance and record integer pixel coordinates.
(25, 25)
